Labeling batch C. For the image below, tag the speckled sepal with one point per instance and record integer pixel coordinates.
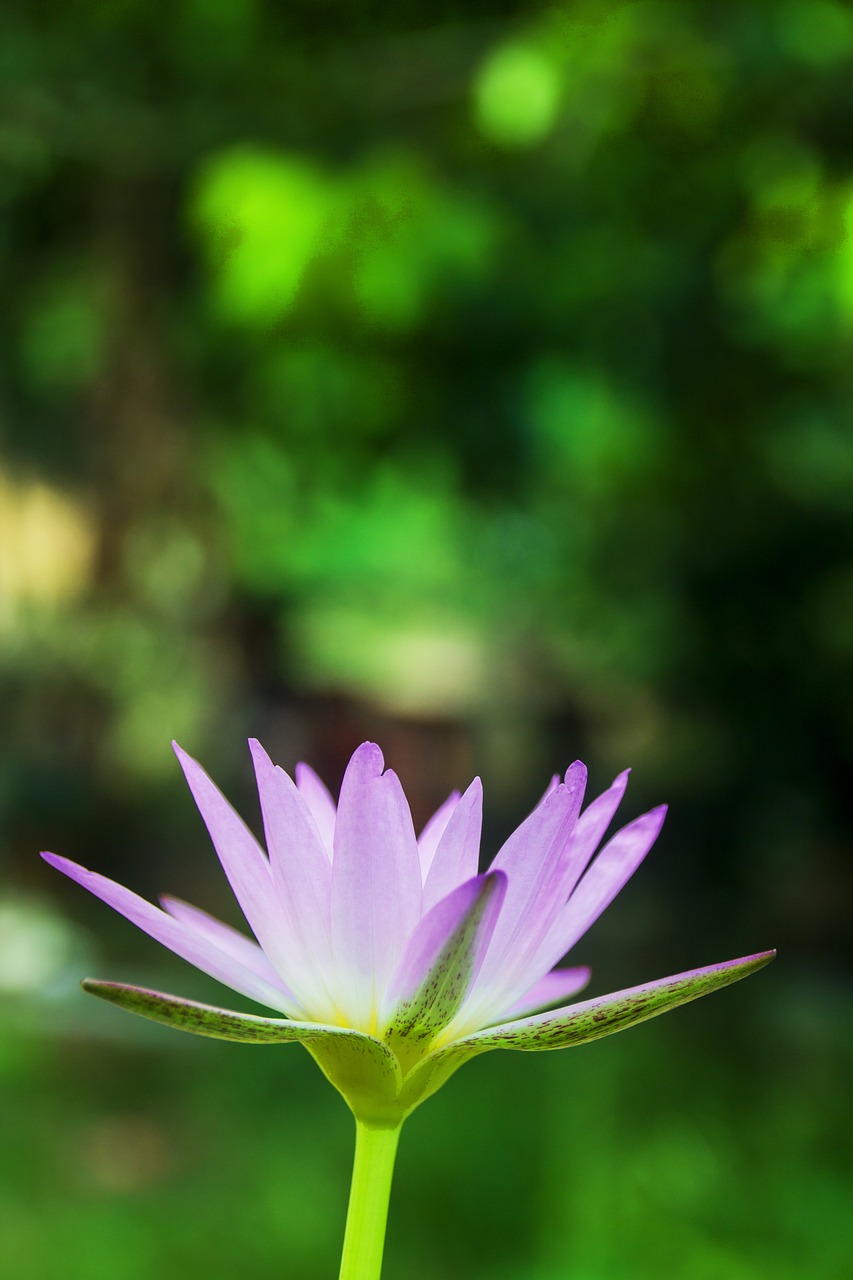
(603, 1016)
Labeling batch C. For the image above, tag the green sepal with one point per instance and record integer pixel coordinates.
(368, 1074)
(580, 1023)
(360, 1067)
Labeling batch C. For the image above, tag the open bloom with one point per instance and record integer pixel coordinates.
(390, 957)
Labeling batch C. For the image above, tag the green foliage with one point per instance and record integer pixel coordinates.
(578, 278)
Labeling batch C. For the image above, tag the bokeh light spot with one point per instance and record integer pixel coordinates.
(517, 95)
(262, 218)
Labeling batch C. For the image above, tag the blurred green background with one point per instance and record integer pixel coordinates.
(478, 381)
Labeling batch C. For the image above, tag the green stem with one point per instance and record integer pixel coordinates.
(367, 1214)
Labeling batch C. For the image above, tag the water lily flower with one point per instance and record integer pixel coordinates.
(389, 956)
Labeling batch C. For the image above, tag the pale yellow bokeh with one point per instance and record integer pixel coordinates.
(47, 541)
(411, 669)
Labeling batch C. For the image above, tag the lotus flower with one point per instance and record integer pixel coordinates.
(390, 958)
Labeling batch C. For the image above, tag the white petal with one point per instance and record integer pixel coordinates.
(376, 884)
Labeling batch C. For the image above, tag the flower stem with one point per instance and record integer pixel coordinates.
(370, 1192)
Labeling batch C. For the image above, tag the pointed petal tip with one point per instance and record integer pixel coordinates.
(260, 757)
(61, 864)
(185, 760)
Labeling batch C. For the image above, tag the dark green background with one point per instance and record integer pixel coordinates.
(478, 381)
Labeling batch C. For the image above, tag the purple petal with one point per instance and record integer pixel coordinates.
(376, 882)
(613, 867)
(607, 1014)
(534, 859)
(582, 844)
(234, 943)
(186, 942)
(441, 961)
(550, 789)
(433, 831)
(457, 856)
(594, 821)
(557, 985)
(300, 866)
(244, 863)
(319, 800)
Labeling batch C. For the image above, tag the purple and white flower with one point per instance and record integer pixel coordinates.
(389, 956)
